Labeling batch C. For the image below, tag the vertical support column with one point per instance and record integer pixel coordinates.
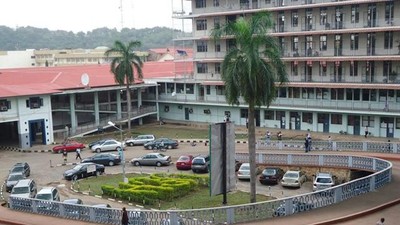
(157, 104)
(73, 113)
(119, 107)
(315, 121)
(345, 121)
(140, 106)
(96, 108)
(262, 116)
(287, 119)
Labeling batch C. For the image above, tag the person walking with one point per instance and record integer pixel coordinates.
(65, 155)
(330, 147)
(125, 219)
(267, 137)
(366, 132)
(78, 154)
(279, 135)
(306, 144)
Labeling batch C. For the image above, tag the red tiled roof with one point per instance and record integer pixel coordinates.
(47, 80)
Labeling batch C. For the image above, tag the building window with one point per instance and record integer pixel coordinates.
(217, 22)
(355, 14)
(295, 68)
(189, 88)
(180, 88)
(354, 68)
(268, 115)
(388, 41)
(337, 94)
(170, 88)
(5, 105)
(295, 44)
(323, 16)
(202, 68)
(322, 68)
(323, 45)
(322, 93)
(201, 24)
(280, 115)
(220, 90)
(244, 113)
(295, 18)
(387, 68)
(217, 68)
(307, 117)
(354, 41)
(336, 119)
(216, 3)
(397, 123)
(389, 12)
(208, 90)
(200, 4)
(34, 102)
(368, 121)
(267, 1)
(201, 46)
(217, 46)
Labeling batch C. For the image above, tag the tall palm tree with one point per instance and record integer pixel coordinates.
(251, 69)
(123, 65)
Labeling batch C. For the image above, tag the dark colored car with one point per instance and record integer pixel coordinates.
(84, 170)
(184, 162)
(13, 179)
(168, 143)
(271, 175)
(107, 159)
(21, 167)
(93, 143)
(69, 146)
(201, 164)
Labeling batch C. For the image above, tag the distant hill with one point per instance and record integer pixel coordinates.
(24, 38)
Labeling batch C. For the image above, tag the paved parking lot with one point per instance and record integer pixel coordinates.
(47, 169)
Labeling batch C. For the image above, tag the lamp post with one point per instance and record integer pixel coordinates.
(122, 150)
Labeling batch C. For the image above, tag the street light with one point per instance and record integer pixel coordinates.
(122, 150)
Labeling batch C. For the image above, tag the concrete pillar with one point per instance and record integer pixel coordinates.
(140, 106)
(119, 107)
(262, 116)
(315, 122)
(74, 122)
(96, 108)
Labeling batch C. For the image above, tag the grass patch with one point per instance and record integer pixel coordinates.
(196, 199)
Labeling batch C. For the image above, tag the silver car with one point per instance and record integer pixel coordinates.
(152, 159)
(108, 145)
(293, 178)
(140, 140)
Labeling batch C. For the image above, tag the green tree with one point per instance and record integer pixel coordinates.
(123, 65)
(251, 69)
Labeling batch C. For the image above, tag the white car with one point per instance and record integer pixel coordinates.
(108, 145)
(293, 178)
(244, 172)
(49, 194)
(323, 181)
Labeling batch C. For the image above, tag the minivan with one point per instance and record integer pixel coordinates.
(140, 140)
(25, 188)
(201, 164)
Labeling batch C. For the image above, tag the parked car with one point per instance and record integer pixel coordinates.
(244, 172)
(297, 207)
(49, 194)
(72, 211)
(25, 188)
(69, 146)
(73, 201)
(93, 143)
(152, 159)
(271, 175)
(108, 145)
(201, 164)
(168, 143)
(84, 170)
(21, 167)
(107, 159)
(140, 140)
(184, 162)
(293, 178)
(13, 179)
(323, 181)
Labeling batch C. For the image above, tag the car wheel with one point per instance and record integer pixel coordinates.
(118, 149)
(130, 143)
(59, 151)
(158, 164)
(136, 163)
(98, 173)
(98, 150)
(169, 146)
(111, 163)
(150, 147)
(74, 177)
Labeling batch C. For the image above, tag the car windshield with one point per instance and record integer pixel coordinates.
(269, 172)
(324, 180)
(20, 190)
(292, 175)
(183, 158)
(43, 196)
(77, 167)
(15, 177)
(17, 169)
(245, 167)
(198, 161)
(161, 155)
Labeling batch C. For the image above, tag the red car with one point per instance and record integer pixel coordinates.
(69, 146)
(184, 162)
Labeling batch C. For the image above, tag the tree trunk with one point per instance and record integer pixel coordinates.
(128, 103)
(252, 153)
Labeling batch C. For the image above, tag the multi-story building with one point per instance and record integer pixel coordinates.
(342, 60)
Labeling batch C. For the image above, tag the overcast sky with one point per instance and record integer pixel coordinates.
(86, 15)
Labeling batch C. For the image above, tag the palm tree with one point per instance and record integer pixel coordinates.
(124, 61)
(250, 70)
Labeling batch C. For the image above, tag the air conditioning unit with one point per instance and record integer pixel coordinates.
(35, 105)
(180, 106)
(207, 111)
(3, 108)
(190, 110)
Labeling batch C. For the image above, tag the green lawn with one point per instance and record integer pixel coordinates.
(198, 199)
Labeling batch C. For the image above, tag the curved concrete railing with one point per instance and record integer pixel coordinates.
(382, 173)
